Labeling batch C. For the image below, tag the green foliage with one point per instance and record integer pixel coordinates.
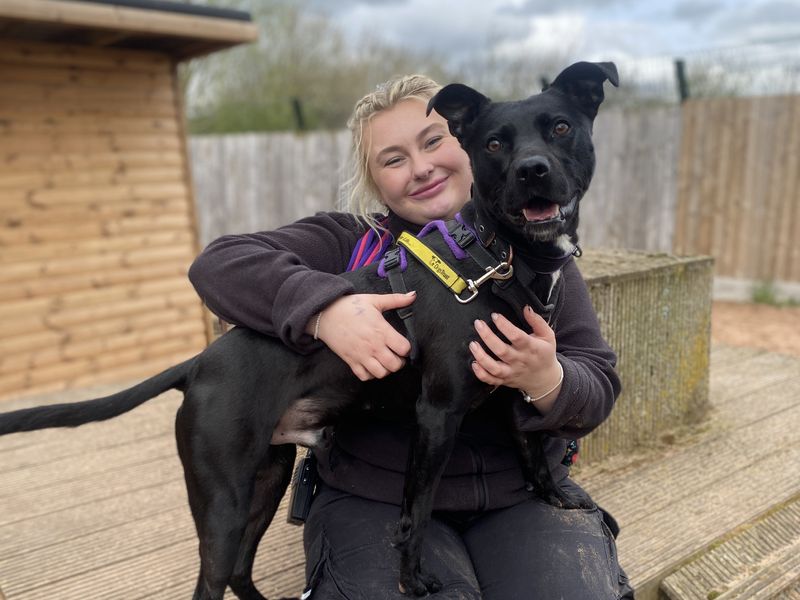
(303, 55)
(765, 293)
(300, 57)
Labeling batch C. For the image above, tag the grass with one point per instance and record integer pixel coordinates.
(765, 293)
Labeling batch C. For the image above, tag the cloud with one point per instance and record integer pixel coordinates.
(537, 8)
(694, 11)
(762, 21)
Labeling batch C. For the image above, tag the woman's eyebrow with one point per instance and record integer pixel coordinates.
(424, 133)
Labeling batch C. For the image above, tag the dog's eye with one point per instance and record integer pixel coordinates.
(561, 128)
(493, 145)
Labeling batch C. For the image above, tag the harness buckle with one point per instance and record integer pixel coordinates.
(501, 272)
(391, 259)
(462, 236)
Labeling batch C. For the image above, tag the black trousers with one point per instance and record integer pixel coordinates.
(529, 551)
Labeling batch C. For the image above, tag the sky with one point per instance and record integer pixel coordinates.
(581, 29)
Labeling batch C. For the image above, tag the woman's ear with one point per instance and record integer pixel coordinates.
(460, 105)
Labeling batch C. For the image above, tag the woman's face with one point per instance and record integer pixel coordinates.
(420, 170)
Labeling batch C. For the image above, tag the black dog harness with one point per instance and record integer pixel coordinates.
(512, 283)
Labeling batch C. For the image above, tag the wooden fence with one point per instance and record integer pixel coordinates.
(739, 186)
(717, 177)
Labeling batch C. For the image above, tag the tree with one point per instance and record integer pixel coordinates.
(301, 59)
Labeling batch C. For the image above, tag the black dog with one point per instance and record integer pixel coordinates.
(248, 398)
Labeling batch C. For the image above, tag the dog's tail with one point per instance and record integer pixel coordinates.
(99, 409)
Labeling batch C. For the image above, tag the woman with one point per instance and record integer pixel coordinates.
(490, 538)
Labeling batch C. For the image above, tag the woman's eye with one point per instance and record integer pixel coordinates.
(493, 145)
(561, 128)
(433, 141)
(395, 160)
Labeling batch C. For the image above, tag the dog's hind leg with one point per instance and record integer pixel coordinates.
(220, 461)
(270, 486)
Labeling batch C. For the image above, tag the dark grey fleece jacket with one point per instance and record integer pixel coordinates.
(275, 282)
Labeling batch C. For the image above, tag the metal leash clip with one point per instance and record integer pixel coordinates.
(491, 273)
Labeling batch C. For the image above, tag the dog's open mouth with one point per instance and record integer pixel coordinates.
(541, 210)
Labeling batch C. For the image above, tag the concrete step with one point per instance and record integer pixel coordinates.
(760, 561)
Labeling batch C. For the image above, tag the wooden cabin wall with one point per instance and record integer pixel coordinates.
(96, 220)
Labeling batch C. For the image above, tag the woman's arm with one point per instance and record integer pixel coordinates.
(590, 385)
(275, 282)
(285, 283)
(569, 371)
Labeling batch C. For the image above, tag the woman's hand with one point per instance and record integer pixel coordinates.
(527, 363)
(353, 327)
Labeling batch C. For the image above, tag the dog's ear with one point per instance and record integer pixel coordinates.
(583, 81)
(460, 105)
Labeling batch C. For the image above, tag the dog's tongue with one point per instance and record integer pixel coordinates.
(541, 213)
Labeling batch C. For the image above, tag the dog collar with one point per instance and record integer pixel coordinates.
(538, 262)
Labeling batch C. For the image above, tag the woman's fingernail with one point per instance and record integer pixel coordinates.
(495, 316)
(478, 323)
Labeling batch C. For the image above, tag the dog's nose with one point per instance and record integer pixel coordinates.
(533, 167)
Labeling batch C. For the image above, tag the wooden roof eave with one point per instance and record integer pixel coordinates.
(181, 35)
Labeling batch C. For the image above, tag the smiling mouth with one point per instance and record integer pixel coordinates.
(540, 211)
(429, 190)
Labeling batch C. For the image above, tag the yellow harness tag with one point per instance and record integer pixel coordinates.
(430, 259)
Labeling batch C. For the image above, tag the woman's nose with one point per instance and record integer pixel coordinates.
(422, 168)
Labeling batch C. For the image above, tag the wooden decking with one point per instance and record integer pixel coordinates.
(101, 512)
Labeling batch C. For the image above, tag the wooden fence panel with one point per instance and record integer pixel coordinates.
(253, 182)
(631, 202)
(738, 186)
(717, 177)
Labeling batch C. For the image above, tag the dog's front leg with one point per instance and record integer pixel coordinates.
(430, 449)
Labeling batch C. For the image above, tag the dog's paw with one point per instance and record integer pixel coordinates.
(420, 584)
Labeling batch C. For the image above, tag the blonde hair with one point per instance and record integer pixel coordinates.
(358, 193)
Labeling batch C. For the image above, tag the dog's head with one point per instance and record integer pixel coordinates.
(533, 159)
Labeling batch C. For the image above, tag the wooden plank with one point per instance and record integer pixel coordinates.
(95, 230)
(57, 162)
(50, 286)
(70, 215)
(64, 302)
(686, 178)
(97, 263)
(84, 177)
(69, 349)
(14, 145)
(119, 365)
(34, 110)
(17, 319)
(47, 126)
(99, 96)
(786, 248)
(28, 53)
(86, 76)
(791, 271)
(44, 198)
